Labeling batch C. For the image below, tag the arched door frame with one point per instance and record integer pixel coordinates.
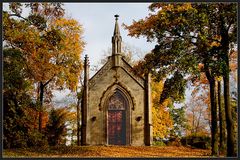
(111, 90)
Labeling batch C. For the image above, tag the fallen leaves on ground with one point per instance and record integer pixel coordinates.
(107, 151)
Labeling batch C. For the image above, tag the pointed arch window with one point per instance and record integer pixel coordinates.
(117, 106)
(117, 101)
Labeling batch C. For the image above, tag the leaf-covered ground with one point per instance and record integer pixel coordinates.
(107, 151)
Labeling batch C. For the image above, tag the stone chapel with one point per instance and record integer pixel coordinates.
(116, 108)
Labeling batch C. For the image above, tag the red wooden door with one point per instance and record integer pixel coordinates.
(116, 127)
(117, 119)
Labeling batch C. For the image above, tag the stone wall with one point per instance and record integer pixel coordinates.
(101, 84)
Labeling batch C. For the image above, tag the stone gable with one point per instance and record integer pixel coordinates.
(116, 106)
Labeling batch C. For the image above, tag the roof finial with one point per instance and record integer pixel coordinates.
(116, 16)
(116, 29)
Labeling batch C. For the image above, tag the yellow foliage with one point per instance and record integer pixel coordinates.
(162, 122)
(56, 56)
(184, 7)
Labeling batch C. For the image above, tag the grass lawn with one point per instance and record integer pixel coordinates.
(107, 151)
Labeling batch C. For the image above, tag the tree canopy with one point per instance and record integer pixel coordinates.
(42, 51)
(189, 35)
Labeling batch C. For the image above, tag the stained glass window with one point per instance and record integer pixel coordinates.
(117, 101)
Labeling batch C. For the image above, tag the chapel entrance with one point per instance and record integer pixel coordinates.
(117, 106)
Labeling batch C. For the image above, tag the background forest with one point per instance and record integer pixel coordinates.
(196, 51)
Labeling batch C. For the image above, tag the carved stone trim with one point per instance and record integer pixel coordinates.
(104, 107)
(125, 66)
(128, 69)
(122, 88)
(129, 92)
(103, 70)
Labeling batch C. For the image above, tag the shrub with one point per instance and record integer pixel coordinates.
(15, 140)
(36, 139)
(197, 141)
(200, 144)
(159, 143)
(174, 141)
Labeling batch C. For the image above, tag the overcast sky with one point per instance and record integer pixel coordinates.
(98, 22)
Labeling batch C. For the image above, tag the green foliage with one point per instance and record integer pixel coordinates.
(179, 120)
(15, 99)
(174, 88)
(18, 125)
(13, 64)
(56, 127)
(38, 21)
(187, 34)
(36, 139)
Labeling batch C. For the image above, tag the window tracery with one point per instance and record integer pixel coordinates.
(117, 101)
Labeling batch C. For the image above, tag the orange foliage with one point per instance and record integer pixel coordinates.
(200, 66)
(33, 118)
(110, 151)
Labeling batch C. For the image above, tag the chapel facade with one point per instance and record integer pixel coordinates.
(116, 108)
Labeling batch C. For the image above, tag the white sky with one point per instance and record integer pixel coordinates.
(98, 22)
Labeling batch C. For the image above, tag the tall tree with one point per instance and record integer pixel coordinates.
(188, 34)
(227, 28)
(50, 44)
(19, 118)
(198, 112)
(15, 98)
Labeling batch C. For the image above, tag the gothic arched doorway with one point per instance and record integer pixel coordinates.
(118, 119)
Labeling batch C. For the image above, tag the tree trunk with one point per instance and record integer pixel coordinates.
(228, 112)
(41, 107)
(231, 148)
(193, 126)
(78, 122)
(214, 119)
(222, 123)
(214, 134)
